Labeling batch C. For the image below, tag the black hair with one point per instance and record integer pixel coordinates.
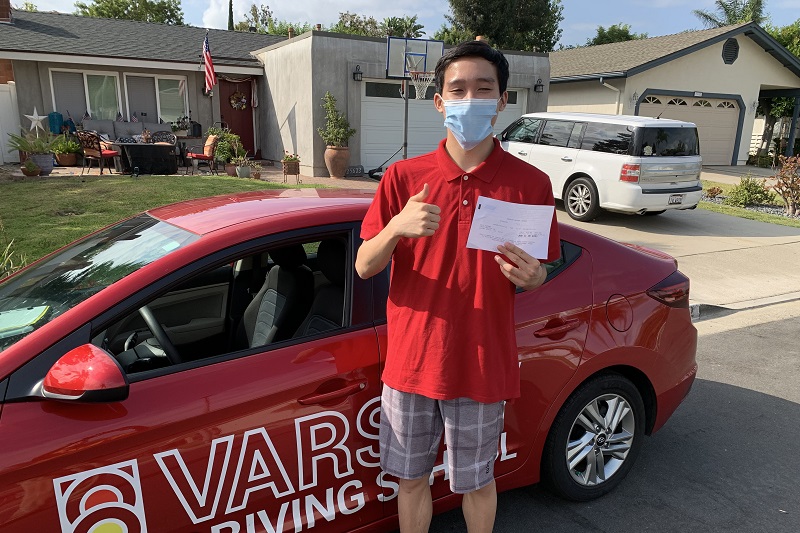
(473, 49)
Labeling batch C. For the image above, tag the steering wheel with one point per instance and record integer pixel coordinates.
(161, 336)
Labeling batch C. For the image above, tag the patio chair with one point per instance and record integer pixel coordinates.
(203, 154)
(93, 150)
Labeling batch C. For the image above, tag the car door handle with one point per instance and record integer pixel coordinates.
(558, 330)
(333, 395)
(522, 153)
(566, 158)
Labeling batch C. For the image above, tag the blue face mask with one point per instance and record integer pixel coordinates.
(470, 120)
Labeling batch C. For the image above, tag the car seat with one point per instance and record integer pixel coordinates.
(283, 301)
(327, 309)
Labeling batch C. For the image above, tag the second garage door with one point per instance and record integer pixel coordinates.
(716, 120)
(382, 122)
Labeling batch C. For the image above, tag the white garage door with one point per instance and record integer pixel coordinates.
(382, 122)
(716, 121)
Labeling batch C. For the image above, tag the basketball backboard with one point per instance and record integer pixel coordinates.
(404, 55)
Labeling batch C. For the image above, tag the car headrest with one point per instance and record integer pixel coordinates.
(291, 256)
(331, 258)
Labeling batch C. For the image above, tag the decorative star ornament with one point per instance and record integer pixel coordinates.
(36, 121)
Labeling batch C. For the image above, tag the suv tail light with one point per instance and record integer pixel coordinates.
(629, 173)
(672, 291)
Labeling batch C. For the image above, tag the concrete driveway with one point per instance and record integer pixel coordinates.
(732, 262)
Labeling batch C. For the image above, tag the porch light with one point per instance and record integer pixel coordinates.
(539, 87)
(634, 98)
(357, 74)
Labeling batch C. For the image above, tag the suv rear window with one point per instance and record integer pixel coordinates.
(611, 138)
(667, 142)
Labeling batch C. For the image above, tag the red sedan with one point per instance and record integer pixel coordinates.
(214, 365)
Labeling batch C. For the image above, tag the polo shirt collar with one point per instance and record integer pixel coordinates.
(484, 172)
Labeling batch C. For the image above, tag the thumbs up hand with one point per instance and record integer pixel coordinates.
(417, 219)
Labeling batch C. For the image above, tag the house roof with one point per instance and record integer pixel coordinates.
(619, 60)
(72, 35)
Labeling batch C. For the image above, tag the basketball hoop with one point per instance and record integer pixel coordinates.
(421, 80)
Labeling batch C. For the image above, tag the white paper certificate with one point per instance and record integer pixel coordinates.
(496, 222)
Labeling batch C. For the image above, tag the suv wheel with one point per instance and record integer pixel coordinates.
(581, 201)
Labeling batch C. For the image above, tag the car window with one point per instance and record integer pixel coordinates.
(668, 142)
(39, 294)
(525, 130)
(557, 133)
(609, 138)
(271, 296)
(576, 135)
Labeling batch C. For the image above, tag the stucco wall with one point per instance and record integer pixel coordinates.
(586, 97)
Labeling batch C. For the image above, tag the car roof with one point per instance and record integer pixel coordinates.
(629, 120)
(205, 215)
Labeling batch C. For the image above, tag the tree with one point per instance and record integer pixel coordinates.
(733, 12)
(163, 11)
(402, 27)
(452, 35)
(230, 15)
(259, 18)
(354, 24)
(616, 33)
(521, 25)
(28, 6)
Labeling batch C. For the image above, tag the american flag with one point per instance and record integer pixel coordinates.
(86, 116)
(119, 117)
(211, 76)
(134, 118)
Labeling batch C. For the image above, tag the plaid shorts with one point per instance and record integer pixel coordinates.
(411, 430)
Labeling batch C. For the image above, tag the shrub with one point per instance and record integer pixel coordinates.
(65, 145)
(713, 192)
(750, 191)
(229, 145)
(788, 183)
(337, 130)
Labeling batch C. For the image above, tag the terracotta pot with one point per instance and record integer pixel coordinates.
(29, 173)
(230, 169)
(67, 160)
(256, 175)
(336, 159)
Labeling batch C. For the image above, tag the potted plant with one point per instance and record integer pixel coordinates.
(29, 168)
(255, 170)
(228, 147)
(336, 134)
(291, 163)
(242, 166)
(181, 125)
(66, 151)
(36, 147)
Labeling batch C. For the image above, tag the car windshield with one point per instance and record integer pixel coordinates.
(667, 142)
(39, 294)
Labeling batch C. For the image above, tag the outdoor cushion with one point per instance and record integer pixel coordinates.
(110, 153)
(209, 146)
(100, 126)
(192, 155)
(127, 129)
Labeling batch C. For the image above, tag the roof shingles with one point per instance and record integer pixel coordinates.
(61, 33)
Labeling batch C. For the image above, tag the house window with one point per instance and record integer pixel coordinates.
(171, 101)
(702, 103)
(652, 100)
(677, 101)
(75, 92)
(726, 105)
(156, 97)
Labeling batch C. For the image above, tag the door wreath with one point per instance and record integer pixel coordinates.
(238, 100)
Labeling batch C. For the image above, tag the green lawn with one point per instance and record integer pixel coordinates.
(43, 215)
(745, 213)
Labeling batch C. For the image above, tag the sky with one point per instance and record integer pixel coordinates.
(581, 17)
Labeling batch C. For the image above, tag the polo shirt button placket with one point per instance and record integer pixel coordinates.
(465, 211)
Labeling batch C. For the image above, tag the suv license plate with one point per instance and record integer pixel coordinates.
(675, 199)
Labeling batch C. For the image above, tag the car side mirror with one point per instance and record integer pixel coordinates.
(86, 374)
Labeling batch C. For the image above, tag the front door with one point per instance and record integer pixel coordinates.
(236, 110)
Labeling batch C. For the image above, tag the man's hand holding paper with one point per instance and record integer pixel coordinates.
(496, 222)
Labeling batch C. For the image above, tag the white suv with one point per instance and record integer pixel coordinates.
(620, 163)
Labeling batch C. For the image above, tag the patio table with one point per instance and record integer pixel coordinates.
(147, 158)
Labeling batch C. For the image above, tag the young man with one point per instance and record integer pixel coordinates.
(452, 355)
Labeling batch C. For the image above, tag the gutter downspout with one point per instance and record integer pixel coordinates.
(604, 84)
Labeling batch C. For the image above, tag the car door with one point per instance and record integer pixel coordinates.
(275, 437)
(556, 150)
(519, 138)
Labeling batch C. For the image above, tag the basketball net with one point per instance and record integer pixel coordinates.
(421, 81)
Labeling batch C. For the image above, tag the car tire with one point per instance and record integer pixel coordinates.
(581, 200)
(653, 213)
(573, 454)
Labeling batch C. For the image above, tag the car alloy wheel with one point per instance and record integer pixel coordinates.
(595, 438)
(581, 200)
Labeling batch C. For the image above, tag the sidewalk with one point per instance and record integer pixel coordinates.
(269, 173)
(733, 174)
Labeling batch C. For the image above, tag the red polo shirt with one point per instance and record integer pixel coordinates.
(450, 314)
